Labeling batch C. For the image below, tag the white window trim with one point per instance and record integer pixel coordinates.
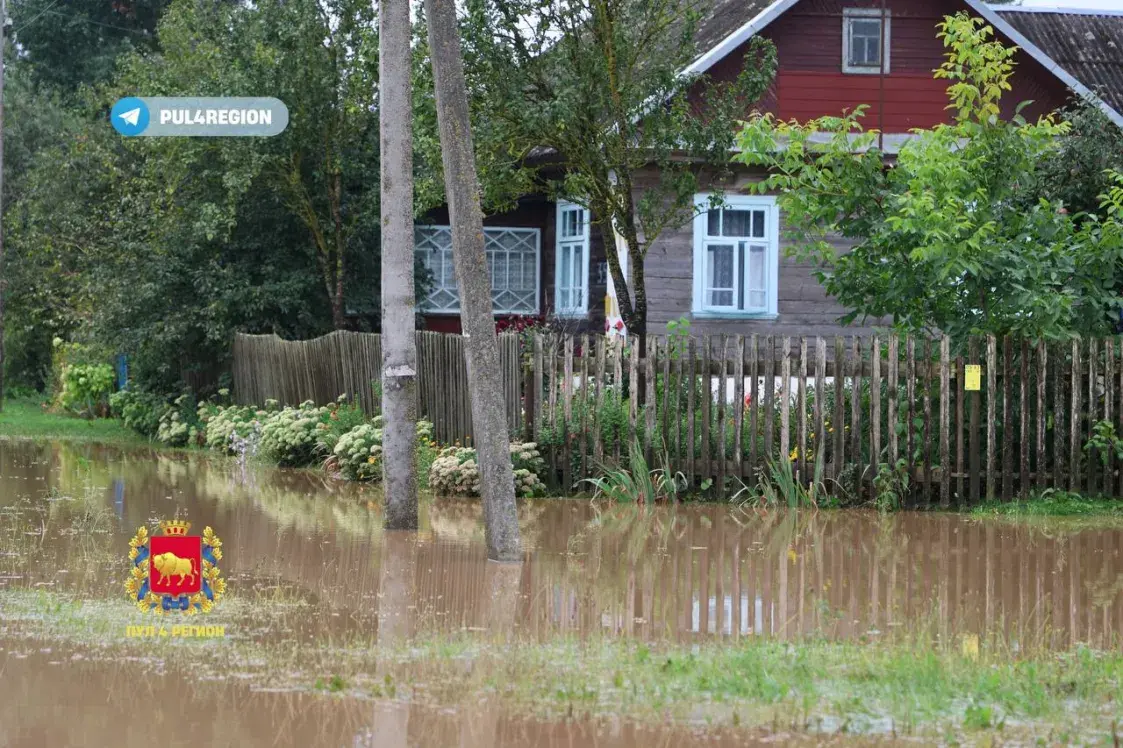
(702, 203)
(496, 311)
(582, 309)
(886, 38)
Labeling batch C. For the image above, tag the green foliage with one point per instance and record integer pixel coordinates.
(138, 410)
(455, 471)
(358, 452)
(891, 486)
(638, 483)
(180, 425)
(954, 236)
(1051, 502)
(1078, 171)
(86, 388)
(289, 437)
(778, 486)
(225, 421)
(601, 84)
(1105, 442)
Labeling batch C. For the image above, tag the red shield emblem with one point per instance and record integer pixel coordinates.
(175, 564)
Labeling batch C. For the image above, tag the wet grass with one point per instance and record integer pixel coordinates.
(914, 685)
(1051, 503)
(27, 418)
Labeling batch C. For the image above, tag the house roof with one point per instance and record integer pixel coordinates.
(1087, 44)
(1083, 49)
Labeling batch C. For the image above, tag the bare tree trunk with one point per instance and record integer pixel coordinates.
(339, 321)
(399, 353)
(489, 425)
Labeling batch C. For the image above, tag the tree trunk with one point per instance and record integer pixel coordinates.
(339, 321)
(497, 484)
(399, 353)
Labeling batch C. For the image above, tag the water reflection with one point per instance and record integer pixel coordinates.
(66, 513)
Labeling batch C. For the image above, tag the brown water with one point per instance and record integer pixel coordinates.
(315, 550)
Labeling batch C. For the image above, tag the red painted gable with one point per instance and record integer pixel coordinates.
(810, 82)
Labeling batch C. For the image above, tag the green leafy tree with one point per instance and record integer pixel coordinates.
(597, 88)
(1077, 173)
(951, 235)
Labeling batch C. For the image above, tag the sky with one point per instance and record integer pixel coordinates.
(1097, 4)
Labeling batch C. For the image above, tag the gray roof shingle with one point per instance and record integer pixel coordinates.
(1087, 45)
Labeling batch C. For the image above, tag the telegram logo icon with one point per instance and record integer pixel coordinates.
(129, 116)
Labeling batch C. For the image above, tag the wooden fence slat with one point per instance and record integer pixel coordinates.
(856, 410)
(738, 402)
(839, 424)
(691, 384)
(1093, 457)
(992, 388)
(821, 441)
(1023, 432)
(634, 390)
(707, 398)
(1119, 414)
(618, 349)
(567, 412)
(1007, 422)
(1060, 435)
(600, 389)
(973, 428)
(1042, 368)
(785, 400)
(649, 399)
(960, 396)
(910, 403)
(926, 441)
(769, 397)
(1074, 422)
(536, 415)
(719, 483)
(676, 387)
(801, 400)
(875, 411)
(891, 402)
(1108, 461)
(666, 425)
(945, 421)
(754, 400)
(583, 437)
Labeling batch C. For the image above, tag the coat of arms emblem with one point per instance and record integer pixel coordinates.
(175, 572)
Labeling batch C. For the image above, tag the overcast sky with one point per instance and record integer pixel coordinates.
(1098, 4)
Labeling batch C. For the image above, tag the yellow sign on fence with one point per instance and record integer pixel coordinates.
(972, 377)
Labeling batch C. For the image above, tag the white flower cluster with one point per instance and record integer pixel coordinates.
(358, 453)
(288, 437)
(456, 471)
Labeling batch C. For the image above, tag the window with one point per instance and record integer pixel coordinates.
(512, 263)
(861, 41)
(571, 263)
(736, 256)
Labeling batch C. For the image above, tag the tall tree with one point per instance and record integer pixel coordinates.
(399, 355)
(603, 83)
(497, 485)
(957, 236)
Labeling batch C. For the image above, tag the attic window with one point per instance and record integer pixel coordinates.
(863, 41)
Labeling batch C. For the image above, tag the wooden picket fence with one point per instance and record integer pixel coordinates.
(720, 410)
(350, 363)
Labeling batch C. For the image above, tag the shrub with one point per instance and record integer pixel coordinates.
(358, 453)
(342, 417)
(139, 410)
(226, 421)
(638, 484)
(180, 425)
(455, 471)
(289, 436)
(86, 388)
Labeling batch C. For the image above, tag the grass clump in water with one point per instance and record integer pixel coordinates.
(1052, 503)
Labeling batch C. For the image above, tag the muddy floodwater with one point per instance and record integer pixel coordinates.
(312, 553)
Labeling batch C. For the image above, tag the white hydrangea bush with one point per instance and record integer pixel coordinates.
(456, 471)
(358, 453)
(224, 422)
(288, 437)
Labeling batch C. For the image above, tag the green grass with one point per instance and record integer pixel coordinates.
(27, 418)
(918, 684)
(1052, 503)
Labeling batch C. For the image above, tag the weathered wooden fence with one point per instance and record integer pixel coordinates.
(350, 363)
(723, 407)
(718, 409)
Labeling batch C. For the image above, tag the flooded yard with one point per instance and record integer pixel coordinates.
(329, 620)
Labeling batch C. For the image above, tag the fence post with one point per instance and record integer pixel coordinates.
(992, 387)
(856, 409)
(738, 402)
(801, 404)
(785, 400)
(945, 421)
(875, 411)
(707, 401)
(599, 383)
(839, 407)
(692, 382)
(891, 401)
(1074, 430)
